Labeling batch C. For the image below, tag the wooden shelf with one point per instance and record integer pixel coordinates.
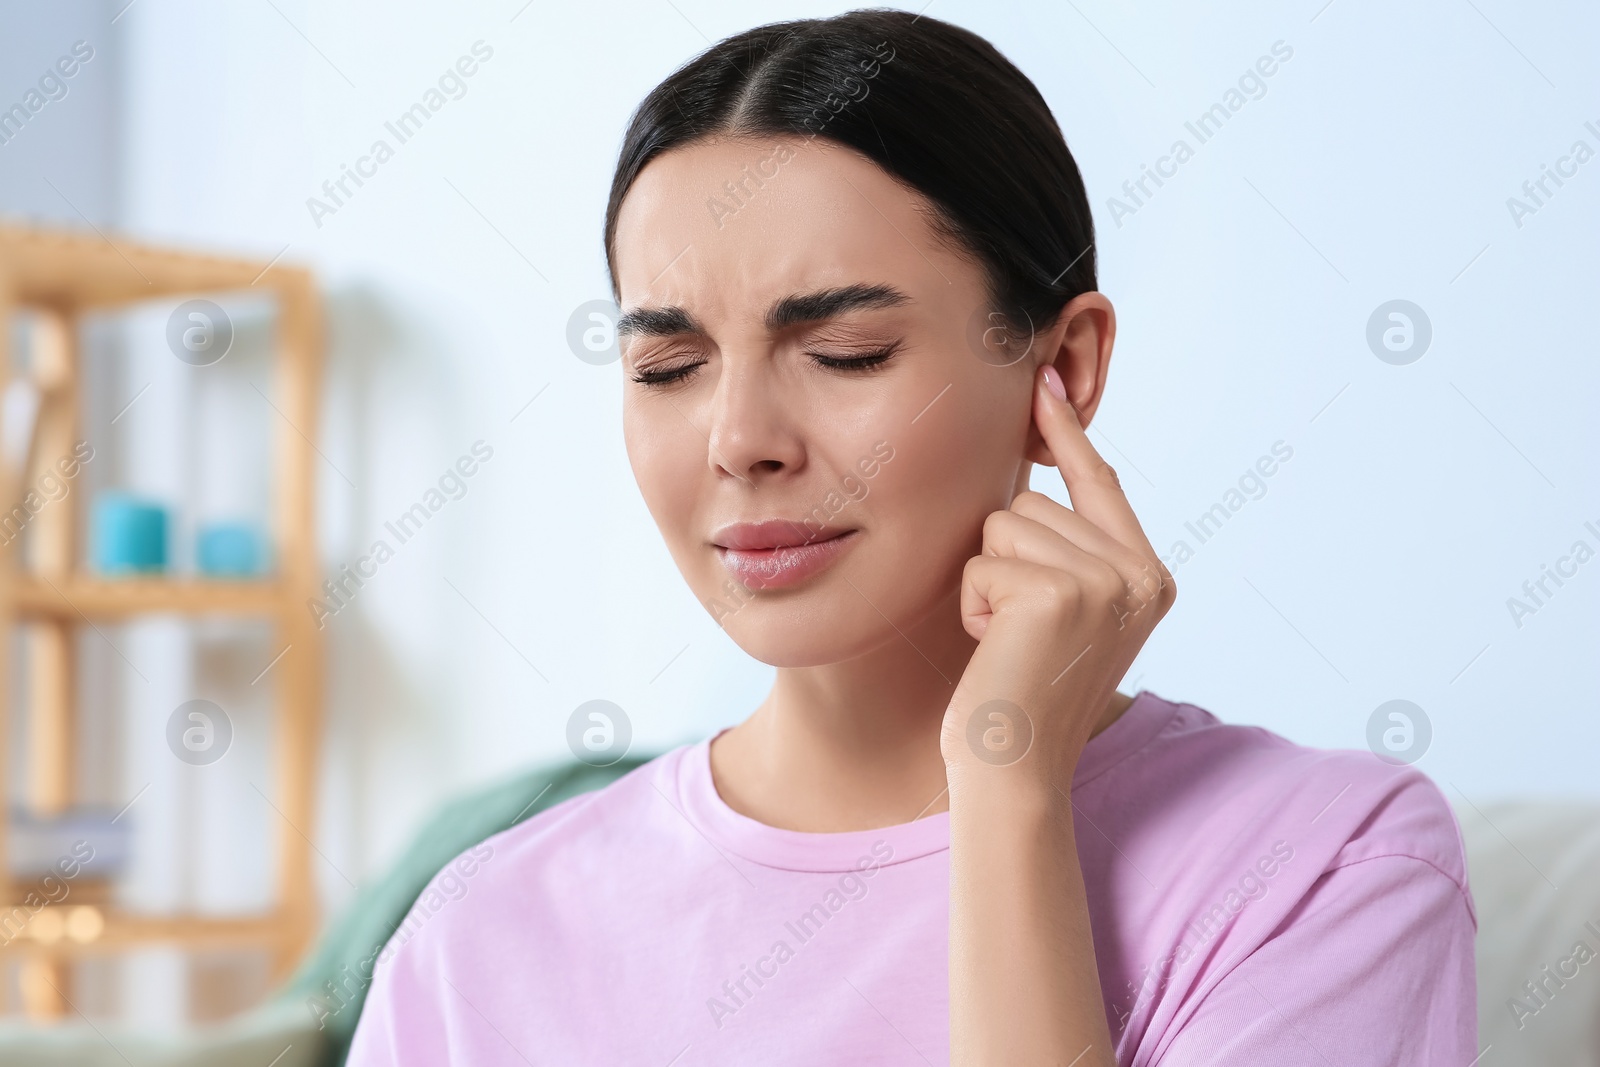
(49, 281)
(65, 930)
(114, 598)
(85, 269)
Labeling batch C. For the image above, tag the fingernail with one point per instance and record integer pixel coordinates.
(1053, 382)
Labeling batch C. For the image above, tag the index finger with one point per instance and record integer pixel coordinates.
(1092, 483)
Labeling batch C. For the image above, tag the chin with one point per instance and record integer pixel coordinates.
(805, 636)
(829, 619)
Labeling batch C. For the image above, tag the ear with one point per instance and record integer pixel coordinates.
(1079, 347)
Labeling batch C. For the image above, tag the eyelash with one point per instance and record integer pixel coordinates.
(864, 364)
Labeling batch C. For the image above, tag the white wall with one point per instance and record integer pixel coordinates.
(1376, 166)
(62, 165)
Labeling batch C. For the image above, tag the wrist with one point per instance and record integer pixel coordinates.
(1011, 796)
(1038, 775)
(998, 748)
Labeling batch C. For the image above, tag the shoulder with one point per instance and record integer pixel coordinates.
(1232, 862)
(545, 855)
(595, 823)
(598, 816)
(1219, 782)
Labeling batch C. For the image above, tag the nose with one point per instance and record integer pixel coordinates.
(753, 435)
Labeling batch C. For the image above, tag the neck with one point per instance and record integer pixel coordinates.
(854, 745)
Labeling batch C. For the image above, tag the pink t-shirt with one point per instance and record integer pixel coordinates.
(1254, 902)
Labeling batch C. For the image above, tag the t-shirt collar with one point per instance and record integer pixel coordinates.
(795, 850)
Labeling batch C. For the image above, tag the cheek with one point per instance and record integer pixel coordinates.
(662, 466)
(671, 474)
(965, 449)
(957, 463)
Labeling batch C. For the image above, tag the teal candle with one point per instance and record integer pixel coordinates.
(229, 550)
(128, 535)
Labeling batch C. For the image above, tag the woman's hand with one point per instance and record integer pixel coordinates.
(1061, 600)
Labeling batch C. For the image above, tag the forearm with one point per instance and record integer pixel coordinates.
(1024, 988)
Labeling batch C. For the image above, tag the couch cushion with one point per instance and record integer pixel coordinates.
(1534, 872)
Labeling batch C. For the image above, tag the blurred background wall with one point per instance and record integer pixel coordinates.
(1380, 560)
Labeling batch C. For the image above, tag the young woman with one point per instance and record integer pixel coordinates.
(857, 273)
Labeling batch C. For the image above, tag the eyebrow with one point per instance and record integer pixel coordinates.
(792, 310)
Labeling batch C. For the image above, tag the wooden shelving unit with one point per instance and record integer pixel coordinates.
(58, 277)
(119, 598)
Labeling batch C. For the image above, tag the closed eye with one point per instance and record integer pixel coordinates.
(664, 377)
(850, 364)
(865, 362)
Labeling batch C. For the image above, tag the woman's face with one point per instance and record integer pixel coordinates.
(725, 306)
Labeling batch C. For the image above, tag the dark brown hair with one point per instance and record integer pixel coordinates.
(936, 106)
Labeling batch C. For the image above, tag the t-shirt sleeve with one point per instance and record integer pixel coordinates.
(1374, 966)
(401, 1023)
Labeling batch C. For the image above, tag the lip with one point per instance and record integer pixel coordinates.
(779, 553)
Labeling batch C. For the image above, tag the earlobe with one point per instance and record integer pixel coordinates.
(1035, 450)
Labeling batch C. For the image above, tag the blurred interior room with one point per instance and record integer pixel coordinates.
(318, 541)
